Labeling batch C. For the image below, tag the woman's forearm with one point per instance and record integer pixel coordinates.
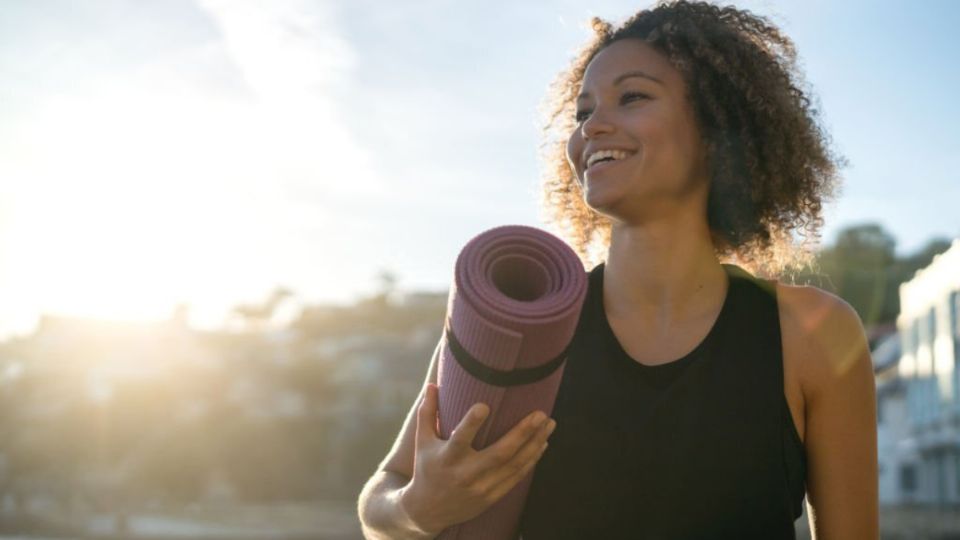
(382, 516)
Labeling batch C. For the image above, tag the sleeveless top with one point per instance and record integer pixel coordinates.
(703, 447)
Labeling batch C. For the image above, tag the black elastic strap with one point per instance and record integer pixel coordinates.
(498, 377)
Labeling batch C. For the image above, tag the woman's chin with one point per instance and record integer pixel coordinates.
(602, 204)
(598, 196)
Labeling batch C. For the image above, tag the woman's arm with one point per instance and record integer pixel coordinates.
(836, 375)
(382, 512)
(380, 505)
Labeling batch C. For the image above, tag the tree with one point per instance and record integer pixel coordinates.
(862, 268)
(258, 315)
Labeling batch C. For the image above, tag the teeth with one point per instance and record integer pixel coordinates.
(602, 154)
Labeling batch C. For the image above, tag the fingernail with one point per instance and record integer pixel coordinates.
(551, 427)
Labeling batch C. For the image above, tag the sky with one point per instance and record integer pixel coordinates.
(207, 151)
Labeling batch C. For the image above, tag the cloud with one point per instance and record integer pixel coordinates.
(284, 47)
(293, 57)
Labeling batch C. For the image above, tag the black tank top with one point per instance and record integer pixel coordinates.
(703, 447)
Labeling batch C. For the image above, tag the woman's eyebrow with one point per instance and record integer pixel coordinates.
(623, 76)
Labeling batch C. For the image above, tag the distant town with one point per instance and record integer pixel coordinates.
(160, 430)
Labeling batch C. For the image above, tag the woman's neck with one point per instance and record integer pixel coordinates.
(662, 273)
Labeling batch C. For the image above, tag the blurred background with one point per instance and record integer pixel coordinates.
(228, 230)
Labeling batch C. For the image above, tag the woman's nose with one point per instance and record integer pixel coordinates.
(596, 123)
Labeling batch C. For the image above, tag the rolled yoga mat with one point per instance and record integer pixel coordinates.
(512, 311)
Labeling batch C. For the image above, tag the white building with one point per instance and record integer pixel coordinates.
(893, 424)
(924, 464)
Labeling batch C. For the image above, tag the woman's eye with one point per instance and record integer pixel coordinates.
(633, 96)
(580, 116)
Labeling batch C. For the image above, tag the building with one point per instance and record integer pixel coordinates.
(893, 425)
(922, 465)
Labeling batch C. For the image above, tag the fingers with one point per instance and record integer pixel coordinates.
(512, 480)
(463, 435)
(427, 416)
(528, 454)
(508, 483)
(494, 462)
(507, 446)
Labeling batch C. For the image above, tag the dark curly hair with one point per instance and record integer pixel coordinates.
(770, 165)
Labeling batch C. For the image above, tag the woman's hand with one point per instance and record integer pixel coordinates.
(452, 482)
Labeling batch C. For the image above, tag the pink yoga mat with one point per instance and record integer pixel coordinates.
(512, 311)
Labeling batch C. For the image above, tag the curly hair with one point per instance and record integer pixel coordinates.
(769, 162)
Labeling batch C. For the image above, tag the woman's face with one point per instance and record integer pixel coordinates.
(633, 109)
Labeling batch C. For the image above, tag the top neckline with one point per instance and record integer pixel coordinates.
(621, 354)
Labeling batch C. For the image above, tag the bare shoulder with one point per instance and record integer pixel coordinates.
(821, 332)
(825, 338)
(814, 309)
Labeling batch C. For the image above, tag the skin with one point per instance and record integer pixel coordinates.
(663, 289)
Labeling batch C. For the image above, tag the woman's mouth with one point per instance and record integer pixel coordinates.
(604, 165)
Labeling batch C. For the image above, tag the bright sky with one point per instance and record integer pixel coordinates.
(206, 151)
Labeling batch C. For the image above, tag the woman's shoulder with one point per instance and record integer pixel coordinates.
(811, 304)
(826, 337)
(822, 333)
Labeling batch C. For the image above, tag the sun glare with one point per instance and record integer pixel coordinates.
(207, 175)
(126, 199)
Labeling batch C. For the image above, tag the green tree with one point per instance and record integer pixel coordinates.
(862, 268)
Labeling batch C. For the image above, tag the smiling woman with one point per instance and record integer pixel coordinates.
(676, 140)
(698, 400)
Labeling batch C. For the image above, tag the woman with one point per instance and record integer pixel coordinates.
(699, 401)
